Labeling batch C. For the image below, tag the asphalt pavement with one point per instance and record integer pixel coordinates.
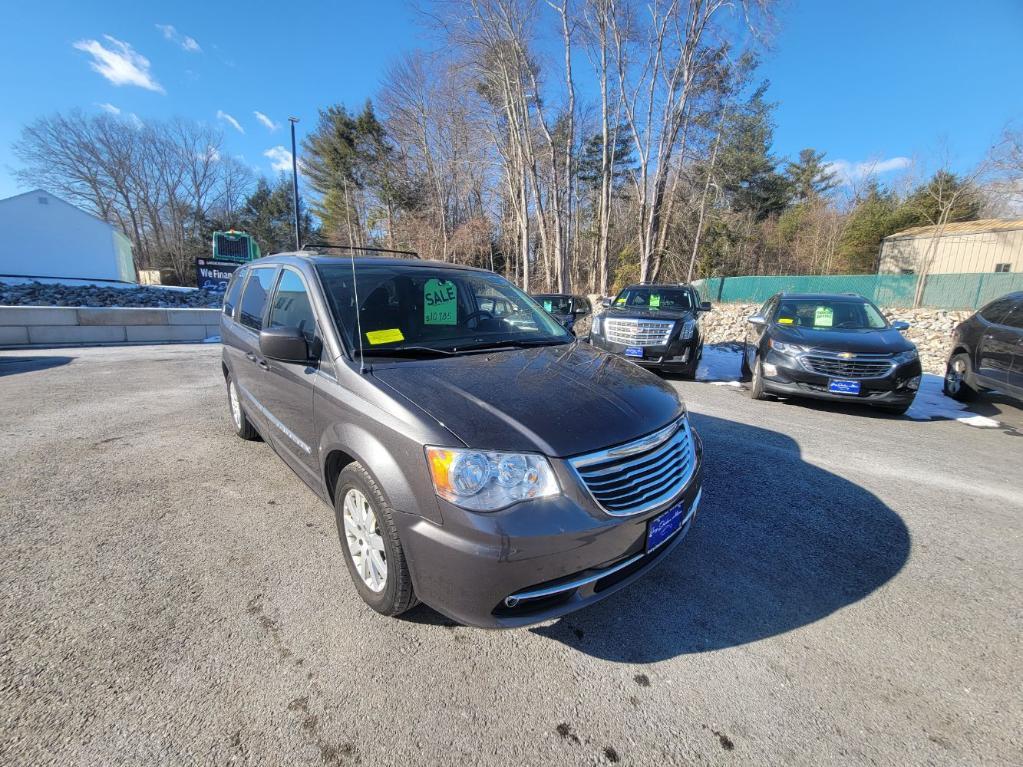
(850, 593)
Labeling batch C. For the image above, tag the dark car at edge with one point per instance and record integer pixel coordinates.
(493, 467)
(987, 351)
(564, 307)
(656, 326)
(830, 346)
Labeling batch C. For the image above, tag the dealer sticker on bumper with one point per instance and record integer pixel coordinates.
(633, 351)
(662, 527)
(844, 387)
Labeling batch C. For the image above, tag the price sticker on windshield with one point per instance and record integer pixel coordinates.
(655, 301)
(546, 306)
(440, 303)
(823, 317)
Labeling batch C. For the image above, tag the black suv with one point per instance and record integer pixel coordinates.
(477, 456)
(656, 326)
(987, 351)
(824, 346)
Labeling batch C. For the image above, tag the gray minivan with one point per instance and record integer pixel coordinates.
(492, 467)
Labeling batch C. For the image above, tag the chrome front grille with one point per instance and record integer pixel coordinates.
(638, 332)
(860, 366)
(640, 475)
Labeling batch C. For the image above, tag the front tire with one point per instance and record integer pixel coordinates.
(956, 373)
(242, 426)
(756, 389)
(370, 543)
(744, 368)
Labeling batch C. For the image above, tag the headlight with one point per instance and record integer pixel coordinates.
(595, 327)
(687, 330)
(907, 356)
(486, 481)
(790, 349)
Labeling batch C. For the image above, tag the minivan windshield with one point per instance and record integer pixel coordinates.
(671, 299)
(405, 309)
(828, 314)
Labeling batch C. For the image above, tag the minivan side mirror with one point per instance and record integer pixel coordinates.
(582, 309)
(605, 302)
(285, 345)
(704, 307)
(900, 325)
(757, 319)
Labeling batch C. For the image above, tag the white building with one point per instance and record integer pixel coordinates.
(989, 245)
(41, 236)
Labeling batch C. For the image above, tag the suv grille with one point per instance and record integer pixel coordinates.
(638, 332)
(862, 366)
(642, 474)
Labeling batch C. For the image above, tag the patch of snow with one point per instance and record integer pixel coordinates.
(720, 364)
(932, 404)
(212, 340)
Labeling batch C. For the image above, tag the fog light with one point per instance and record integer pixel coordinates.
(770, 370)
(913, 383)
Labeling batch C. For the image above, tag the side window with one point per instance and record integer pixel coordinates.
(1015, 317)
(257, 288)
(291, 307)
(768, 308)
(997, 311)
(231, 296)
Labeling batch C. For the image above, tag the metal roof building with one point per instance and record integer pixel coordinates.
(987, 245)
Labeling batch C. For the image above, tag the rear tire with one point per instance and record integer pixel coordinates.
(242, 426)
(956, 372)
(744, 370)
(377, 536)
(756, 389)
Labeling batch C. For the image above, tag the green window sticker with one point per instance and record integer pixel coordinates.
(620, 301)
(440, 303)
(546, 306)
(824, 317)
(655, 301)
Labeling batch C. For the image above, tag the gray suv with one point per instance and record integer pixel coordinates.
(489, 465)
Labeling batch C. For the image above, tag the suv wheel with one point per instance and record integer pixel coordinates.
(955, 385)
(369, 541)
(756, 388)
(242, 427)
(744, 369)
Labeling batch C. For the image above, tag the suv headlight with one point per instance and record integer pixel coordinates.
(487, 481)
(791, 349)
(907, 356)
(595, 325)
(687, 330)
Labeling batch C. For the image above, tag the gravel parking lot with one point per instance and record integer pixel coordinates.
(850, 594)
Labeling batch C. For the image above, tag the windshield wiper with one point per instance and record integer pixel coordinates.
(513, 343)
(409, 351)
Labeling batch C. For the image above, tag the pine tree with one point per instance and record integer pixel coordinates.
(809, 176)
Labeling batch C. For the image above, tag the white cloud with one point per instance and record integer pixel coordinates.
(849, 173)
(270, 124)
(280, 158)
(171, 33)
(136, 121)
(230, 121)
(119, 63)
(108, 107)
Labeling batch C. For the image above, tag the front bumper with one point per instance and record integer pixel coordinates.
(790, 378)
(566, 547)
(679, 354)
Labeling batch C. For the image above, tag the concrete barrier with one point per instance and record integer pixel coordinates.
(58, 325)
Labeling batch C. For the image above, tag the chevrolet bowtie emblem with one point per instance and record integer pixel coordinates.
(846, 355)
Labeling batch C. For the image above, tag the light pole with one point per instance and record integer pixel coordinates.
(294, 180)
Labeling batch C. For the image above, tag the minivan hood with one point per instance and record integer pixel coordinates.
(559, 400)
(887, 341)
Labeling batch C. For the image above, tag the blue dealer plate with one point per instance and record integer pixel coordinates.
(663, 526)
(633, 351)
(844, 387)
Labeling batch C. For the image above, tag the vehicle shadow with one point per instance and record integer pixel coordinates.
(14, 365)
(777, 544)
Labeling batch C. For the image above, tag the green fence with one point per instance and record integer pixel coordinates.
(941, 291)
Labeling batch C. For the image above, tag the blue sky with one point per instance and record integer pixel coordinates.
(866, 81)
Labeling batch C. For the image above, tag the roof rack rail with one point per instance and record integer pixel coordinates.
(357, 248)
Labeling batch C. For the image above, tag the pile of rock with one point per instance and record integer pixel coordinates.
(40, 294)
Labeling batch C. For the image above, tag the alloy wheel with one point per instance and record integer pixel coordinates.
(365, 544)
(954, 376)
(236, 406)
